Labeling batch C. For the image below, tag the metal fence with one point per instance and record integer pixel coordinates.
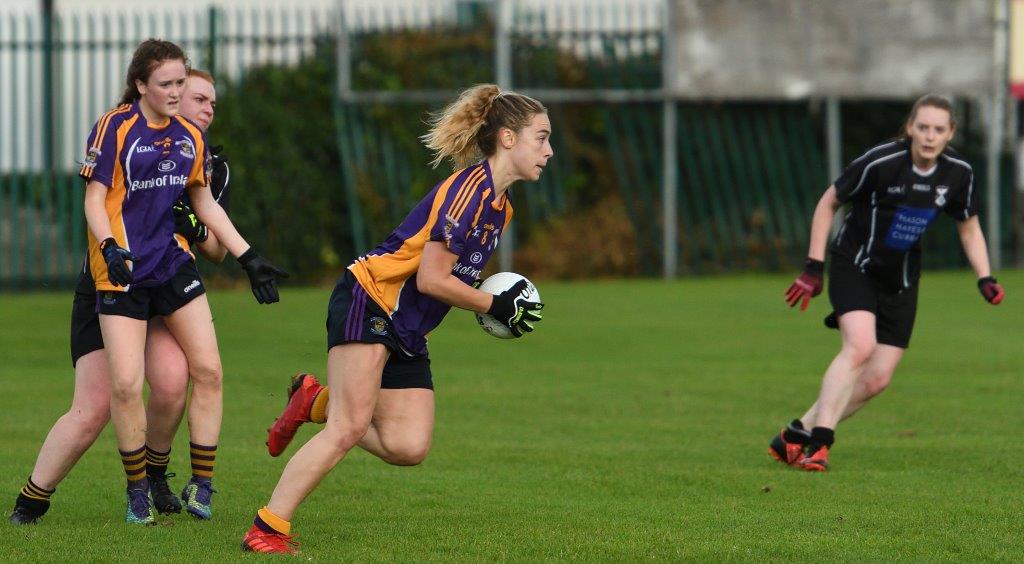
(706, 186)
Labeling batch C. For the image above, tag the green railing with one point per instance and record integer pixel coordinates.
(749, 172)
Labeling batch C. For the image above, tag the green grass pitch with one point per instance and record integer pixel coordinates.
(632, 425)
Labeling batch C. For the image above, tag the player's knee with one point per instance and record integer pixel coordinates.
(90, 420)
(125, 390)
(877, 383)
(168, 381)
(344, 435)
(207, 374)
(169, 389)
(859, 349)
(167, 398)
(407, 455)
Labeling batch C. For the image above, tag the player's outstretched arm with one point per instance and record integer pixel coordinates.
(262, 274)
(210, 213)
(973, 241)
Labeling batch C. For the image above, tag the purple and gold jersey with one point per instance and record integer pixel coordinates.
(460, 212)
(146, 168)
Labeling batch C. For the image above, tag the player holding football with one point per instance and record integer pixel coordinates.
(166, 366)
(389, 299)
(895, 190)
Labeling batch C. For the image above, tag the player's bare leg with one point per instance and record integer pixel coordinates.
(69, 437)
(192, 327)
(402, 426)
(125, 342)
(857, 329)
(875, 377)
(354, 372)
(167, 375)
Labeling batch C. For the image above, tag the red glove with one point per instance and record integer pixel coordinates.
(991, 290)
(807, 285)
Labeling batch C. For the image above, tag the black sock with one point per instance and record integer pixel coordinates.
(822, 436)
(34, 499)
(795, 433)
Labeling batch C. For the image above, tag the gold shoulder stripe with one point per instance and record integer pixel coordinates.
(480, 208)
(476, 182)
(464, 191)
(101, 129)
(87, 169)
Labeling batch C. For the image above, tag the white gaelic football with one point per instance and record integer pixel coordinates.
(496, 284)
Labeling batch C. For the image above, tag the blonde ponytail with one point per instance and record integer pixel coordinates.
(467, 129)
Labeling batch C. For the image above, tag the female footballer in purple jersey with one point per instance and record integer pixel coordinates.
(166, 365)
(142, 156)
(390, 298)
(895, 190)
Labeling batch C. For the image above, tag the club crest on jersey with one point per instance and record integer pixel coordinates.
(186, 148)
(91, 156)
(940, 198)
(164, 145)
(450, 223)
(378, 326)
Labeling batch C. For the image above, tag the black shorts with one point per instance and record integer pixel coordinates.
(353, 317)
(151, 301)
(850, 289)
(85, 324)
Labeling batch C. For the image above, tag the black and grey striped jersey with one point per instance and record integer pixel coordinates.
(892, 205)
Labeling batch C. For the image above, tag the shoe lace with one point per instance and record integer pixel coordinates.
(159, 485)
(138, 500)
(284, 541)
(204, 492)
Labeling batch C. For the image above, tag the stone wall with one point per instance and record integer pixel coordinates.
(850, 48)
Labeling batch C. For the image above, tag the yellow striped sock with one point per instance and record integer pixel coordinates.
(31, 490)
(318, 411)
(156, 461)
(134, 462)
(202, 460)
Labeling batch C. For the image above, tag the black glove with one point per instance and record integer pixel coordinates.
(262, 276)
(188, 225)
(991, 290)
(511, 308)
(217, 156)
(117, 269)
